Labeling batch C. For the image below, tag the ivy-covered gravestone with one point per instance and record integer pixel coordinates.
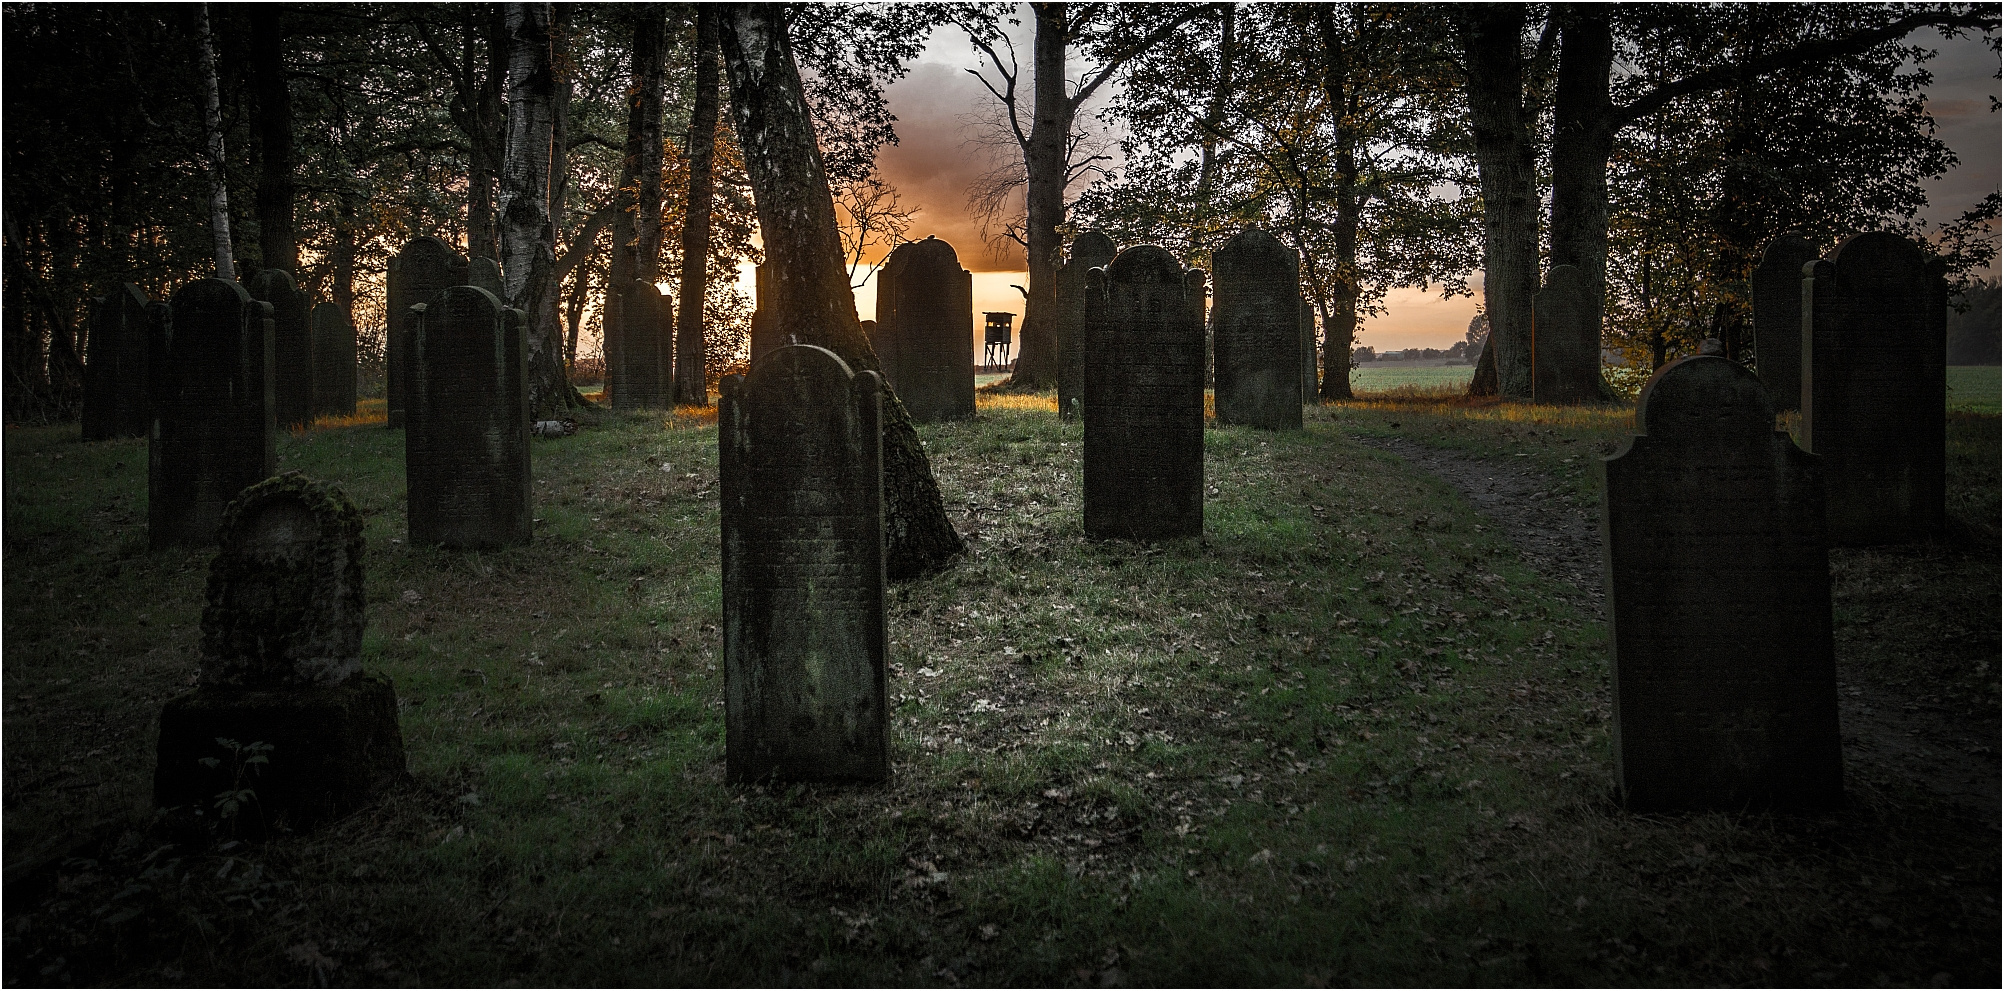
(284, 730)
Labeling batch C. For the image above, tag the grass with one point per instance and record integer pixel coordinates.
(1371, 377)
(1347, 737)
(1973, 388)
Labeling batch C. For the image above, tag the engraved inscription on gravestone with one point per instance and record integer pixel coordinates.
(1875, 388)
(1718, 585)
(1144, 397)
(800, 456)
(466, 449)
(209, 391)
(1256, 332)
(1776, 288)
(281, 660)
(291, 347)
(115, 377)
(1091, 250)
(643, 377)
(333, 361)
(425, 267)
(925, 303)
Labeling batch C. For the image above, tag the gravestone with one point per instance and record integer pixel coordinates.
(425, 267)
(281, 662)
(485, 273)
(209, 382)
(1091, 250)
(115, 375)
(801, 466)
(1718, 586)
(333, 361)
(925, 303)
(291, 346)
(1256, 332)
(883, 342)
(1144, 397)
(1564, 336)
(643, 376)
(1875, 351)
(1309, 380)
(1776, 288)
(466, 445)
(765, 333)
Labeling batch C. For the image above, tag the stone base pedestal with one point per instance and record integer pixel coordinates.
(331, 749)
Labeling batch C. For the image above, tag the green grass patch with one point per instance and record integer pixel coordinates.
(1973, 388)
(1371, 377)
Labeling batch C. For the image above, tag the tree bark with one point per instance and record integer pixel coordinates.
(212, 127)
(278, 245)
(483, 124)
(1340, 327)
(528, 239)
(804, 252)
(691, 378)
(1045, 168)
(1582, 143)
(1506, 158)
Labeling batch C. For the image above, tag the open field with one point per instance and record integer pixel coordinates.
(1375, 377)
(1973, 388)
(1357, 734)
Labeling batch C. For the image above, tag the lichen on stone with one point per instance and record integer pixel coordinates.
(285, 597)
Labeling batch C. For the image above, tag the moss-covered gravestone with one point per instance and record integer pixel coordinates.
(642, 374)
(1718, 585)
(1776, 291)
(291, 346)
(333, 361)
(1144, 398)
(1256, 332)
(284, 729)
(466, 442)
(925, 304)
(115, 371)
(1875, 388)
(1308, 377)
(800, 454)
(208, 381)
(1091, 250)
(424, 267)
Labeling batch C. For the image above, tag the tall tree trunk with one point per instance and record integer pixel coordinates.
(560, 116)
(528, 240)
(212, 127)
(1506, 158)
(484, 40)
(1214, 112)
(278, 245)
(644, 106)
(342, 289)
(1340, 326)
(804, 253)
(691, 378)
(1045, 166)
(1582, 143)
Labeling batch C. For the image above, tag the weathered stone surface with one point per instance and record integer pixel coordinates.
(285, 602)
(804, 637)
(466, 449)
(1310, 382)
(209, 382)
(643, 377)
(333, 361)
(1562, 332)
(425, 267)
(765, 332)
(1256, 332)
(485, 273)
(925, 303)
(884, 342)
(1875, 346)
(1091, 250)
(115, 369)
(291, 346)
(1776, 288)
(1144, 398)
(1725, 692)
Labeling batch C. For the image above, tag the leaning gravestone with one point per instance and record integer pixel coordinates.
(643, 375)
(1256, 332)
(1564, 336)
(1144, 398)
(1309, 392)
(115, 376)
(209, 379)
(280, 676)
(333, 361)
(1718, 581)
(466, 444)
(1091, 250)
(1875, 351)
(291, 346)
(801, 461)
(1776, 288)
(425, 267)
(925, 303)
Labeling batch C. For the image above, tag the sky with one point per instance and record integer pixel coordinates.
(936, 159)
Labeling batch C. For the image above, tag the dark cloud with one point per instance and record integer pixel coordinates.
(935, 160)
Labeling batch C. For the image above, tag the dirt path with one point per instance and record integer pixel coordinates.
(1890, 736)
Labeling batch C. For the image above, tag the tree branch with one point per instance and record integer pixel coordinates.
(1122, 58)
(580, 247)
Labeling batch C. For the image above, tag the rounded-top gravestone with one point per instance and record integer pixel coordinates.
(925, 307)
(1256, 332)
(1776, 288)
(466, 449)
(1144, 398)
(1090, 250)
(424, 267)
(285, 600)
(213, 435)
